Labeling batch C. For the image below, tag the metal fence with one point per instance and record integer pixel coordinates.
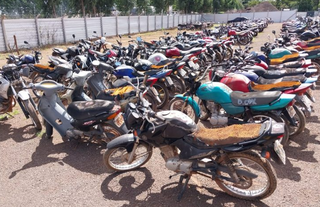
(40, 32)
(276, 16)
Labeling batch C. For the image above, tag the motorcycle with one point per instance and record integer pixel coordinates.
(12, 91)
(228, 107)
(207, 152)
(95, 121)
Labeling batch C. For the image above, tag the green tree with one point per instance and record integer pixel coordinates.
(143, 6)
(253, 3)
(125, 6)
(161, 6)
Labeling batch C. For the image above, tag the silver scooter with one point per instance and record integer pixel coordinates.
(94, 121)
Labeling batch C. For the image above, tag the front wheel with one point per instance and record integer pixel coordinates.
(116, 159)
(247, 188)
(178, 86)
(163, 94)
(32, 114)
(183, 106)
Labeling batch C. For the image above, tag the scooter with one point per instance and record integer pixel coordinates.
(94, 121)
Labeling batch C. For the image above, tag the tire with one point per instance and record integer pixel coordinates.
(228, 53)
(32, 114)
(219, 57)
(37, 79)
(163, 94)
(178, 88)
(177, 103)
(300, 121)
(259, 117)
(151, 101)
(252, 162)
(123, 156)
(110, 132)
(243, 40)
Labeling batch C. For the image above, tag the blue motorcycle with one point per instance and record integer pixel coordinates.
(228, 107)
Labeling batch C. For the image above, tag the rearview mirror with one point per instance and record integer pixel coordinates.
(25, 42)
(74, 36)
(95, 32)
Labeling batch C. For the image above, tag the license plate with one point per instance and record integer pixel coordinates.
(169, 81)
(191, 64)
(196, 66)
(278, 148)
(291, 111)
(119, 120)
(182, 72)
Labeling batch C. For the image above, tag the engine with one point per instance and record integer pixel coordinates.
(217, 118)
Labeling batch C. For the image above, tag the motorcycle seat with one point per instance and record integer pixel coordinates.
(293, 64)
(86, 109)
(100, 54)
(59, 50)
(194, 50)
(228, 135)
(284, 85)
(43, 68)
(149, 73)
(239, 98)
(58, 60)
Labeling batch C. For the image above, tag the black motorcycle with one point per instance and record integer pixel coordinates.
(224, 154)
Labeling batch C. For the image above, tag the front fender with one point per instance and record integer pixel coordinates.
(126, 141)
(24, 95)
(191, 102)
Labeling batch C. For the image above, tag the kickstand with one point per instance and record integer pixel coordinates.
(184, 185)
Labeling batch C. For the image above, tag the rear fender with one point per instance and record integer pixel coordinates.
(191, 102)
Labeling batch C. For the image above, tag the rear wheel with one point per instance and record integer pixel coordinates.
(32, 114)
(110, 132)
(259, 118)
(116, 159)
(178, 88)
(183, 106)
(300, 122)
(248, 188)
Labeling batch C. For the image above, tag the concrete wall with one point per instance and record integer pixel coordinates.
(277, 16)
(40, 32)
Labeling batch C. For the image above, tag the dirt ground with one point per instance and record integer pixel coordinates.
(36, 171)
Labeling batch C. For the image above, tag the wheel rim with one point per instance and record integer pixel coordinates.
(248, 187)
(119, 157)
(188, 110)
